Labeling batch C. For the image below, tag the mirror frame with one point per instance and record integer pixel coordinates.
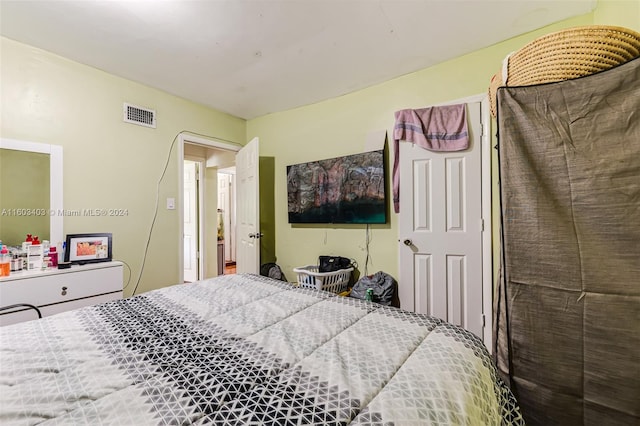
(56, 212)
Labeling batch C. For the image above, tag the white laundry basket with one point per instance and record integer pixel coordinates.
(336, 281)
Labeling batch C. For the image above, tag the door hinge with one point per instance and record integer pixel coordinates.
(481, 225)
(484, 320)
(197, 255)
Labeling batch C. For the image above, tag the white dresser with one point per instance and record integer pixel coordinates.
(59, 290)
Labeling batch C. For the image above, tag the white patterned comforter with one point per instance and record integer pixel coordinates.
(247, 350)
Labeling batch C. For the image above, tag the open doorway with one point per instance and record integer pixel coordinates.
(202, 252)
(227, 220)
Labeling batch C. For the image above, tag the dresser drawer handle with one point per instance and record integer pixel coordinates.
(64, 291)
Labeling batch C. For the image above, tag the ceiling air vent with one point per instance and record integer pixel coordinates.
(140, 116)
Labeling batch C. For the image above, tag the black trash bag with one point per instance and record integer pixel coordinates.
(272, 270)
(384, 288)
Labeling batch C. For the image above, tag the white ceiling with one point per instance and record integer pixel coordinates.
(253, 57)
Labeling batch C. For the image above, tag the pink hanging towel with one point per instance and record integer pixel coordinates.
(439, 128)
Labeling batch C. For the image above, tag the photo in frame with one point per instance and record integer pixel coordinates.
(88, 248)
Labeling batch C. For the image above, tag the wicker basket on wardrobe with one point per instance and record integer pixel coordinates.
(567, 54)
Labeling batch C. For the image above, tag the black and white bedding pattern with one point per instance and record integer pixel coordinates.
(247, 350)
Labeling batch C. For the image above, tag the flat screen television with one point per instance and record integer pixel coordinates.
(350, 189)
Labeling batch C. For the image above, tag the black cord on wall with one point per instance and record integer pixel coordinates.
(368, 255)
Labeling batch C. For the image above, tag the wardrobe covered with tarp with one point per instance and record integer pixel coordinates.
(567, 307)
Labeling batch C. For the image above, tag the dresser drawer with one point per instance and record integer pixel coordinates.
(62, 287)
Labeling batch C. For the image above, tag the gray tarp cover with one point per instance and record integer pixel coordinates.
(568, 304)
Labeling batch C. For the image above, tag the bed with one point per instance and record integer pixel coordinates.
(247, 350)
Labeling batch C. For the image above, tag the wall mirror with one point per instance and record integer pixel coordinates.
(30, 191)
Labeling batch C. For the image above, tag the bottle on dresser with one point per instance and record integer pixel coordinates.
(35, 253)
(5, 262)
(53, 256)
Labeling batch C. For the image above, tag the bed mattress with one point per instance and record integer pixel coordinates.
(247, 350)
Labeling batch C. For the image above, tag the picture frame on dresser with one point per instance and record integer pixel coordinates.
(88, 248)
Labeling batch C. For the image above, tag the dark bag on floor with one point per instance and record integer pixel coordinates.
(272, 270)
(384, 288)
(333, 263)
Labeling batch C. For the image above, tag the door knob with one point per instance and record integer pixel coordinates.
(408, 242)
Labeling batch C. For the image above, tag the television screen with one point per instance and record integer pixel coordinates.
(349, 189)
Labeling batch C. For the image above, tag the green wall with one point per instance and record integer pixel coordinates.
(111, 164)
(108, 164)
(266, 184)
(340, 126)
(622, 13)
(24, 196)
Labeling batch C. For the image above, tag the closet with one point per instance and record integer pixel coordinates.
(568, 303)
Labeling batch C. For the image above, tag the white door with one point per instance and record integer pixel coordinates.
(247, 209)
(440, 230)
(190, 221)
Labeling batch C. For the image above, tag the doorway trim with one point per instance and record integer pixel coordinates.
(200, 163)
(207, 142)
